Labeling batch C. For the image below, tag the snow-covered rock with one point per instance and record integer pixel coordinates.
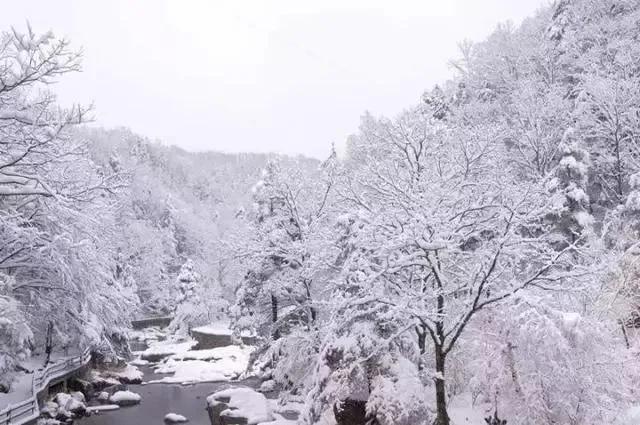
(161, 349)
(69, 404)
(139, 362)
(50, 409)
(174, 418)
(127, 375)
(77, 395)
(103, 396)
(267, 386)
(125, 398)
(102, 407)
(240, 403)
(227, 363)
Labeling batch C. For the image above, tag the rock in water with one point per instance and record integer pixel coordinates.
(174, 418)
(125, 398)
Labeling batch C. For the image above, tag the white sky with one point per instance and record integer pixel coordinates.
(286, 76)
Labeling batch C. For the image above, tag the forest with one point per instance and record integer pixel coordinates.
(482, 245)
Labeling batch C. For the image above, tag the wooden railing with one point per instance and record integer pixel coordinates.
(28, 410)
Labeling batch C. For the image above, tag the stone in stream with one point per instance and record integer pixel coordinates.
(238, 406)
(125, 398)
(174, 418)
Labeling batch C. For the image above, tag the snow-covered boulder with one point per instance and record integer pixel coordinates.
(239, 405)
(77, 395)
(103, 396)
(267, 386)
(126, 375)
(125, 398)
(69, 404)
(50, 409)
(174, 418)
(139, 362)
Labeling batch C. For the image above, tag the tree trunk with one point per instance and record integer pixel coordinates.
(442, 417)
(422, 338)
(312, 311)
(274, 317)
(618, 163)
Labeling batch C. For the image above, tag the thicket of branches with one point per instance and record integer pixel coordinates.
(483, 242)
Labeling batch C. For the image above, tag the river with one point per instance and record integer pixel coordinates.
(160, 399)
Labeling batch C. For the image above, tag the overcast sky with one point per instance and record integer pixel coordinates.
(286, 76)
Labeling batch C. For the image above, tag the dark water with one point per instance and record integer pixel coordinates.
(160, 399)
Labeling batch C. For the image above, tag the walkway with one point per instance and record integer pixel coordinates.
(28, 410)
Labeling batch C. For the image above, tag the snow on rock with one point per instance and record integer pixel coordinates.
(147, 334)
(50, 408)
(128, 375)
(125, 398)
(218, 353)
(174, 418)
(241, 403)
(103, 396)
(103, 407)
(218, 328)
(160, 349)
(97, 377)
(139, 362)
(190, 371)
(77, 395)
(228, 363)
(68, 403)
(267, 386)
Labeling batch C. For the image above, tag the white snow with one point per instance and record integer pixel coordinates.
(102, 407)
(244, 403)
(128, 374)
(463, 412)
(120, 396)
(279, 420)
(174, 418)
(22, 384)
(139, 362)
(631, 416)
(166, 348)
(218, 328)
(228, 363)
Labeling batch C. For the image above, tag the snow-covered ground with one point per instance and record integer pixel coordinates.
(463, 412)
(21, 386)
